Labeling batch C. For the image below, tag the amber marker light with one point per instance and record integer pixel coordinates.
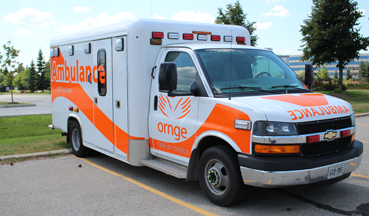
(76, 109)
(353, 137)
(277, 149)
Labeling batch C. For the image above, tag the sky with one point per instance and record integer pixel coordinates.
(31, 24)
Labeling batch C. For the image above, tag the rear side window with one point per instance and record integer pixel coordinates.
(101, 70)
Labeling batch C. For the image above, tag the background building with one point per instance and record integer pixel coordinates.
(296, 64)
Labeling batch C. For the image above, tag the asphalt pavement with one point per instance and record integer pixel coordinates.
(42, 101)
(100, 185)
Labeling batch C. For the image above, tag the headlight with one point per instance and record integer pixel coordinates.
(274, 129)
(353, 119)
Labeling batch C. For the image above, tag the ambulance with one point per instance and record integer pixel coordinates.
(197, 102)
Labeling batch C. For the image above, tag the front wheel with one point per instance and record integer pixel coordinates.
(219, 175)
(76, 141)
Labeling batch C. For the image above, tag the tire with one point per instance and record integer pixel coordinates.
(220, 176)
(76, 143)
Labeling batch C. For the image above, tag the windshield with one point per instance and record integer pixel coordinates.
(247, 70)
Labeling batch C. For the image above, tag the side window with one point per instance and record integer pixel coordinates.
(186, 71)
(101, 70)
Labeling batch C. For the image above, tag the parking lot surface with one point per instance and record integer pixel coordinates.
(42, 101)
(105, 186)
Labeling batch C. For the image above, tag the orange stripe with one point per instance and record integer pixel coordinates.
(177, 104)
(85, 104)
(305, 100)
(185, 101)
(213, 122)
(169, 103)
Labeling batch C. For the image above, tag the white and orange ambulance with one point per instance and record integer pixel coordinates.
(197, 102)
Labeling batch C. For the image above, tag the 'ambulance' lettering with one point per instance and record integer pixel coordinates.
(310, 112)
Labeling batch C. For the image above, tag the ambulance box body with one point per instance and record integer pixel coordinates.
(197, 102)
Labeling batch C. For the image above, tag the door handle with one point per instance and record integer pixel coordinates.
(95, 100)
(89, 79)
(156, 103)
(117, 104)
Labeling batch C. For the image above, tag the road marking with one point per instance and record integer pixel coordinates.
(364, 141)
(363, 124)
(362, 176)
(166, 196)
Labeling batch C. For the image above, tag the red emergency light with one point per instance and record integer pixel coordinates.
(158, 35)
(313, 139)
(215, 37)
(345, 133)
(187, 36)
(240, 39)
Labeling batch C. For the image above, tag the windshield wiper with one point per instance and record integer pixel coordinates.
(241, 87)
(287, 86)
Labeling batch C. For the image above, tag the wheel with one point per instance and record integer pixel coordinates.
(262, 73)
(76, 141)
(220, 176)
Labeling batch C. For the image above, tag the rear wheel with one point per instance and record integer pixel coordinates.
(219, 175)
(76, 141)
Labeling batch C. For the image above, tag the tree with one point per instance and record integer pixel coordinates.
(40, 81)
(348, 74)
(24, 78)
(31, 84)
(330, 35)
(335, 76)
(363, 71)
(10, 63)
(234, 15)
(323, 74)
(47, 75)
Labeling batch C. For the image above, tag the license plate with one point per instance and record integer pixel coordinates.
(335, 171)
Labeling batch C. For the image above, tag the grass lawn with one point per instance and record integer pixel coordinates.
(8, 103)
(18, 92)
(358, 99)
(28, 134)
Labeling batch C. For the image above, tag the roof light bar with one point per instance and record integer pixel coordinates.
(228, 38)
(201, 32)
(202, 37)
(187, 36)
(240, 39)
(158, 35)
(215, 38)
(172, 35)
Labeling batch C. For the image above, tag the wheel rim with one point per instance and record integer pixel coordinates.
(76, 139)
(216, 177)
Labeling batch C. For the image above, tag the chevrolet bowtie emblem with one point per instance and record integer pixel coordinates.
(330, 135)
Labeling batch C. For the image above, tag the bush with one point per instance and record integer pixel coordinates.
(337, 90)
(320, 85)
(359, 85)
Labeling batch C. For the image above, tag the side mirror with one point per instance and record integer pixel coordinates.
(309, 75)
(168, 77)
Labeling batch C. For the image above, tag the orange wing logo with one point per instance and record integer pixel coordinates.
(181, 109)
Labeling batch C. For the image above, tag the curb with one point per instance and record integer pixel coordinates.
(37, 154)
(17, 105)
(361, 115)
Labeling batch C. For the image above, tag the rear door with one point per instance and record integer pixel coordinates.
(103, 95)
(120, 96)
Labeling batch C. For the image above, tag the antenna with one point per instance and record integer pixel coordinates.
(230, 69)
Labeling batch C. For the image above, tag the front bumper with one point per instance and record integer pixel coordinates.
(273, 172)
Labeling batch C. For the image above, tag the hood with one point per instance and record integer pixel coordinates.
(298, 107)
